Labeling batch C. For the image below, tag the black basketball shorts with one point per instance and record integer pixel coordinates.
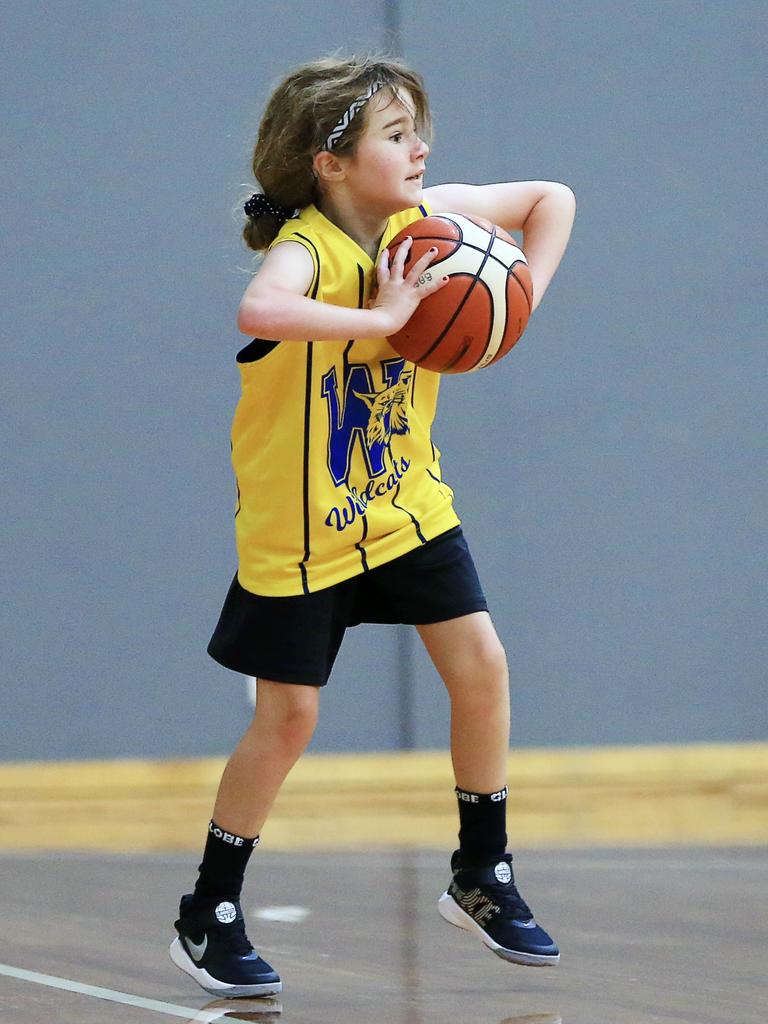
(296, 639)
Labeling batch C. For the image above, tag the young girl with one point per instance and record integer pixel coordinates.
(343, 516)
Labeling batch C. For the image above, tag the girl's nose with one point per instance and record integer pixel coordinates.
(422, 148)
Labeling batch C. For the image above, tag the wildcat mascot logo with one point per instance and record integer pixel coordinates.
(366, 419)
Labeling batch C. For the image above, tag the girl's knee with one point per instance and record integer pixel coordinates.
(480, 681)
(485, 659)
(289, 711)
(493, 656)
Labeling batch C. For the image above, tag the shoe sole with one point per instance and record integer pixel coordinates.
(185, 963)
(451, 912)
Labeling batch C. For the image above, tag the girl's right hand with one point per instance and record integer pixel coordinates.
(399, 295)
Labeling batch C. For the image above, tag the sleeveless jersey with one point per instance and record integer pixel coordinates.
(335, 466)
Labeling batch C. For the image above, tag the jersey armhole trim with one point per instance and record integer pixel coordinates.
(307, 244)
(259, 347)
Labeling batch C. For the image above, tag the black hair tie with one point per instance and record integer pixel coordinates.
(259, 206)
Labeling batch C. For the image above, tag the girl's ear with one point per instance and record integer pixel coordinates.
(328, 168)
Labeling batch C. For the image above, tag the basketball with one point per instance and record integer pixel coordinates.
(482, 312)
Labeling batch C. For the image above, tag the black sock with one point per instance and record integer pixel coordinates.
(482, 826)
(224, 862)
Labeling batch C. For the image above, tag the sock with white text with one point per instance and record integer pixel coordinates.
(225, 859)
(482, 826)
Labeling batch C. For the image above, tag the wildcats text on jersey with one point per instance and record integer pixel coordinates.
(367, 421)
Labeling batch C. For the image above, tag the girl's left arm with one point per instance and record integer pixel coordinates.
(542, 210)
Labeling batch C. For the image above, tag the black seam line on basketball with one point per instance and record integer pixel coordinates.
(491, 258)
(307, 410)
(468, 292)
(466, 245)
(496, 356)
(506, 324)
(461, 353)
(360, 297)
(455, 241)
(452, 363)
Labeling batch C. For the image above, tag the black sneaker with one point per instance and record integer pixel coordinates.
(486, 901)
(213, 948)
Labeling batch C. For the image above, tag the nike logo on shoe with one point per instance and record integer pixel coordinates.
(197, 952)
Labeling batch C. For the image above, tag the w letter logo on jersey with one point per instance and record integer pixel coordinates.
(366, 417)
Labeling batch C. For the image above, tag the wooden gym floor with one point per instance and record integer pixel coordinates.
(649, 865)
(647, 937)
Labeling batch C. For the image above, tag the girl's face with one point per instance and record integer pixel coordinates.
(385, 174)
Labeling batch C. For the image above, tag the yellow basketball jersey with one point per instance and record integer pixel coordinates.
(335, 467)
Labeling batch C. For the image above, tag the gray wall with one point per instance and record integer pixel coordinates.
(610, 473)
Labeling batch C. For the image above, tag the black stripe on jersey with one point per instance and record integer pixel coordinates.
(313, 247)
(345, 365)
(307, 420)
(437, 479)
(359, 547)
(414, 520)
(237, 483)
(307, 412)
(360, 295)
(415, 369)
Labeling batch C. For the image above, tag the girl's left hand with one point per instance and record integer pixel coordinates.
(399, 294)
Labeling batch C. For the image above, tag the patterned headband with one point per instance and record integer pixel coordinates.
(354, 108)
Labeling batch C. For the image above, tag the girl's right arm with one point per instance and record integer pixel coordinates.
(275, 306)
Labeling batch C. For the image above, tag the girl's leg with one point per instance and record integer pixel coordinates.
(482, 897)
(285, 719)
(212, 946)
(471, 661)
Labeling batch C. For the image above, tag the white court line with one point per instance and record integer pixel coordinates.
(189, 1013)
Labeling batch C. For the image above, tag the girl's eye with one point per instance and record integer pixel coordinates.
(397, 136)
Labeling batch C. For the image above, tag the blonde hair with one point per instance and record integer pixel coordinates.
(301, 113)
